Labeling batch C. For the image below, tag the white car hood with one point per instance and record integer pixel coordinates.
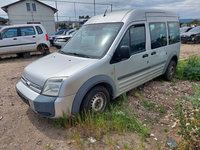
(55, 65)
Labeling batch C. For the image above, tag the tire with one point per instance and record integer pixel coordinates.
(96, 100)
(27, 55)
(43, 49)
(171, 69)
(20, 55)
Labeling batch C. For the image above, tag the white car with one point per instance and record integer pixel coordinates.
(23, 39)
(61, 40)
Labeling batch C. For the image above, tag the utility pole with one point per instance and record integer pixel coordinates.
(75, 10)
(111, 7)
(94, 9)
(57, 9)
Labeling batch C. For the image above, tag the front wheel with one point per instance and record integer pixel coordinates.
(96, 100)
(171, 69)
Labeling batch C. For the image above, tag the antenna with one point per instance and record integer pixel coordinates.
(105, 11)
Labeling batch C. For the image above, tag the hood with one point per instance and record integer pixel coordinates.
(55, 65)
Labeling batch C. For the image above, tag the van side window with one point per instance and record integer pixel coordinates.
(158, 35)
(174, 32)
(138, 38)
(10, 33)
(26, 31)
(39, 30)
(125, 40)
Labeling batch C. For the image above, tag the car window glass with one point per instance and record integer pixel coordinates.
(26, 31)
(9, 33)
(196, 29)
(158, 35)
(174, 32)
(138, 38)
(59, 32)
(125, 40)
(39, 30)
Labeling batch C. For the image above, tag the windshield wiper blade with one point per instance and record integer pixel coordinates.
(77, 54)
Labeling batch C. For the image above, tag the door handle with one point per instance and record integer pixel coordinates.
(14, 38)
(145, 55)
(33, 36)
(153, 53)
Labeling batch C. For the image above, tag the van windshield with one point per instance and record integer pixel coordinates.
(92, 40)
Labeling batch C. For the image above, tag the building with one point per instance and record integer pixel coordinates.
(31, 11)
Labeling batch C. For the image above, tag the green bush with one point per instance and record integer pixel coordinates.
(188, 69)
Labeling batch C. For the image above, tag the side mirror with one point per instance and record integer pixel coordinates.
(124, 52)
(1, 37)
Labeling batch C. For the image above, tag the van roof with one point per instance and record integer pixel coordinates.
(130, 15)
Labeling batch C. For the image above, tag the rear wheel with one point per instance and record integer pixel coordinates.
(171, 69)
(96, 100)
(43, 49)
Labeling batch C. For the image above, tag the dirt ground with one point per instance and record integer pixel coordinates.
(22, 129)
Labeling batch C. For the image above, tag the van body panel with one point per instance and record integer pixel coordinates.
(55, 65)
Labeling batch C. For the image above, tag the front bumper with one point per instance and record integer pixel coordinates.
(51, 107)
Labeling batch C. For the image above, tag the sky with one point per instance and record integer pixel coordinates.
(186, 9)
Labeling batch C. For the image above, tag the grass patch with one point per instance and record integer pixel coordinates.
(152, 106)
(188, 69)
(117, 119)
(189, 118)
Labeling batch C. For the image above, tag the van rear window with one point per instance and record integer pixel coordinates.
(158, 35)
(174, 32)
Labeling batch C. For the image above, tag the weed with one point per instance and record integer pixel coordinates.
(172, 84)
(126, 147)
(189, 69)
(165, 130)
(161, 110)
(148, 105)
(48, 147)
(116, 119)
(189, 118)
(138, 94)
(152, 106)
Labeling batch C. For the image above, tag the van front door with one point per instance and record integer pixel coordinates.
(9, 42)
(132, 72)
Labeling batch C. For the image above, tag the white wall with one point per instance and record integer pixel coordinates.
(18, 14)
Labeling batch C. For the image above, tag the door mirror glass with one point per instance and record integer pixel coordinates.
(124, 52)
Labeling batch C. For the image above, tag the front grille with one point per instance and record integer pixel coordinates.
(31, 85)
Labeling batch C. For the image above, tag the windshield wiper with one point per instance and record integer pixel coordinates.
(77, 54)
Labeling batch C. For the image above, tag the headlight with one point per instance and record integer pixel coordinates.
(52, 86)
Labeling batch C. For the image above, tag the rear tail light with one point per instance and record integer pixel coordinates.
(47, 38)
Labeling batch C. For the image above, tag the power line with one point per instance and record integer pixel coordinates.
(78, 2)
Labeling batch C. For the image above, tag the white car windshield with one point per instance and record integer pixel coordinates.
(92, 40)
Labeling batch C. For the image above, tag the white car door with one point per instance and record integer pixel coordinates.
(28, 38)
(10, 42)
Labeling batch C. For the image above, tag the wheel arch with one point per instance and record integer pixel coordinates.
(102, 80)
(170, 58)
(42, 44)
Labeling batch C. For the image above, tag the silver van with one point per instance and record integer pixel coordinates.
(111, 54)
